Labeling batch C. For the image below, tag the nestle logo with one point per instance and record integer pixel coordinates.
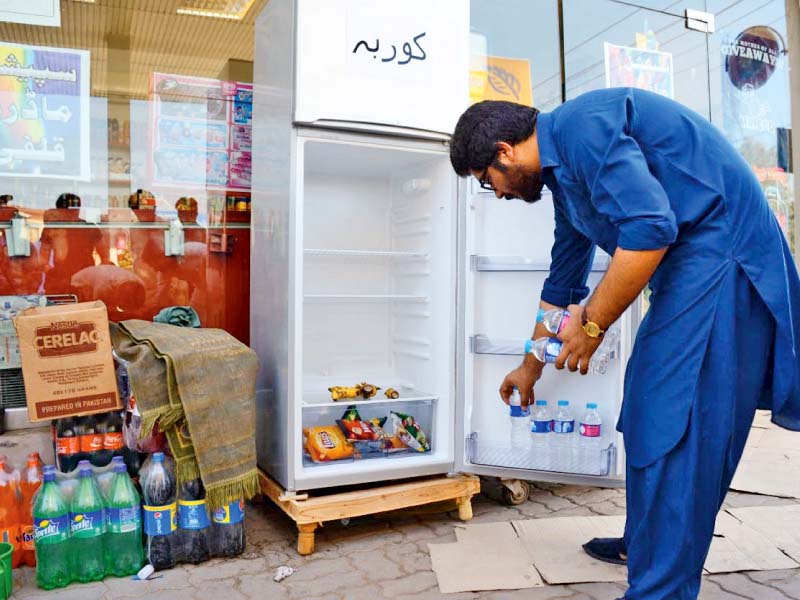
(65, 338)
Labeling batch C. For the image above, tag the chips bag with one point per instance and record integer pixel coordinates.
(406, 428)
(327, 443)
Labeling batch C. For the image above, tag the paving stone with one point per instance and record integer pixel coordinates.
(262, 586)
(376, 565)
(410, 585)
(738, 584)
(224, 569)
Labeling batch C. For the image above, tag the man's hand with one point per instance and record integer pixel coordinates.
(578, 347)
(523, 378)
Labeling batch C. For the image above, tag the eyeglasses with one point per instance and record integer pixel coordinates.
(484, 182)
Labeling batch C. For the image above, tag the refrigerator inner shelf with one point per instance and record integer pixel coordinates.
(555, 457)
(483, 262)
(365, 254)
(322, 399)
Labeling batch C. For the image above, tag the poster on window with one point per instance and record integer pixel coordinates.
(649, 70)
(44, 112)
(200, 132)
(503, 79)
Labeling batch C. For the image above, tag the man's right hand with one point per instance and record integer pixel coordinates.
(523, 378)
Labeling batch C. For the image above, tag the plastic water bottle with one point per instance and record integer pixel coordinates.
(51, 534)
(520, 438)
(29, 484)
(541, 423)
(563, 422)
(124, 553)
(227, 530)
(157, 478)
(88, 527)
(194, 526)
(554, 320)
(591, 435)
(547, 349)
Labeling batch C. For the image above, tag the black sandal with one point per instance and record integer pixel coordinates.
(610, 550)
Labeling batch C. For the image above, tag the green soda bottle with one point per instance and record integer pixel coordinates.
(51, 534)
(124, 550)
(88, 527)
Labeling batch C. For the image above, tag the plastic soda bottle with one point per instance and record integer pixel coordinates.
(68, 444)
(29, 484)
(10, 517)
(157, 478)
(51, 525)
(124, 553)
(193, 522)
(227, 530)
(88, 527)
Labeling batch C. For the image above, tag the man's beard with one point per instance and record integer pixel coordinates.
(526, 185)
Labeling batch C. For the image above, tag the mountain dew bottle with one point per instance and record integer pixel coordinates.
(88, 527)
(124, 550)
(51, 534)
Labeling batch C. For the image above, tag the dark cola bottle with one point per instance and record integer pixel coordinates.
(194, 525)
(91, 440)
(68, 445)
(113, 442)
(227, 530)
(157, 478)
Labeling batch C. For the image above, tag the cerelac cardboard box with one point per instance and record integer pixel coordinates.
(66, 360)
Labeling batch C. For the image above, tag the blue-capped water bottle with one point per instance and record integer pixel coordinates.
(520, 438)
(547, 349)
(541, 423)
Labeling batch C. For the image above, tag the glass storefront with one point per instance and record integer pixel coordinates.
(737, 75)
(125, 156)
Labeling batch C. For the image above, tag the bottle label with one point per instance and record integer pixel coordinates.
(541, 426)
(551, 351)
(91, 442)
(592, 431)
(67, 446)
(112, 440)
(51, 530)
(27, 537)
(160, 520)
(192, 514)
(518, 411)
(231, 514)
(124, 520)
(88, 524)
(563, 426)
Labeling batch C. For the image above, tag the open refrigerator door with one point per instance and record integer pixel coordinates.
(505, 254)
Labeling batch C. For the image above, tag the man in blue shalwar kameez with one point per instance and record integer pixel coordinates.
(661, 190)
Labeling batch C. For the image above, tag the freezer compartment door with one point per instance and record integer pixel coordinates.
(403, 64)
(506, 256)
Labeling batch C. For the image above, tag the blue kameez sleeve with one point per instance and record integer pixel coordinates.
(599, 146)
(571, 261)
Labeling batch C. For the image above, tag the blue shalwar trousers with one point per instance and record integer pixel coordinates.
(672, 503)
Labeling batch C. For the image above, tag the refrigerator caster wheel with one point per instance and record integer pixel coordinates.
(344, 522)
(515, 492)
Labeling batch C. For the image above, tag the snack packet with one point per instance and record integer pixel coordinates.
(406, 428)
(327, 443)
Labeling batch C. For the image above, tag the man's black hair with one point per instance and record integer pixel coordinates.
(482, 125)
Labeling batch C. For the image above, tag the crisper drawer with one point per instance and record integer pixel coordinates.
(342, 432)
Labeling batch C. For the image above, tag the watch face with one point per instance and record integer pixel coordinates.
(592, 329)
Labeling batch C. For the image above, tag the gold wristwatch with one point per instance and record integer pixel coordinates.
(590, 328)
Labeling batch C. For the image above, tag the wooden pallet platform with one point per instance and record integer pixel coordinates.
(309, 511)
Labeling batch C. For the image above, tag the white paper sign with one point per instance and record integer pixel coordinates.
(402, 63)
(31, 12)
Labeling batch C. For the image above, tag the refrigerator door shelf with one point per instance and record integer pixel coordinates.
(482, 344)
(555, 457)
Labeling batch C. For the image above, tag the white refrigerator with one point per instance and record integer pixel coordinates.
(371, 261)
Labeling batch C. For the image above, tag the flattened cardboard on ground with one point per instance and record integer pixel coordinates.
(763, 419)
(779, 524)
(774, 437)
(769, 471)
(486, 557)
(66, 359)
(555, 546)
(738, 547)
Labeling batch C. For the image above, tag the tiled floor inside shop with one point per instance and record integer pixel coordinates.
(387, 557)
